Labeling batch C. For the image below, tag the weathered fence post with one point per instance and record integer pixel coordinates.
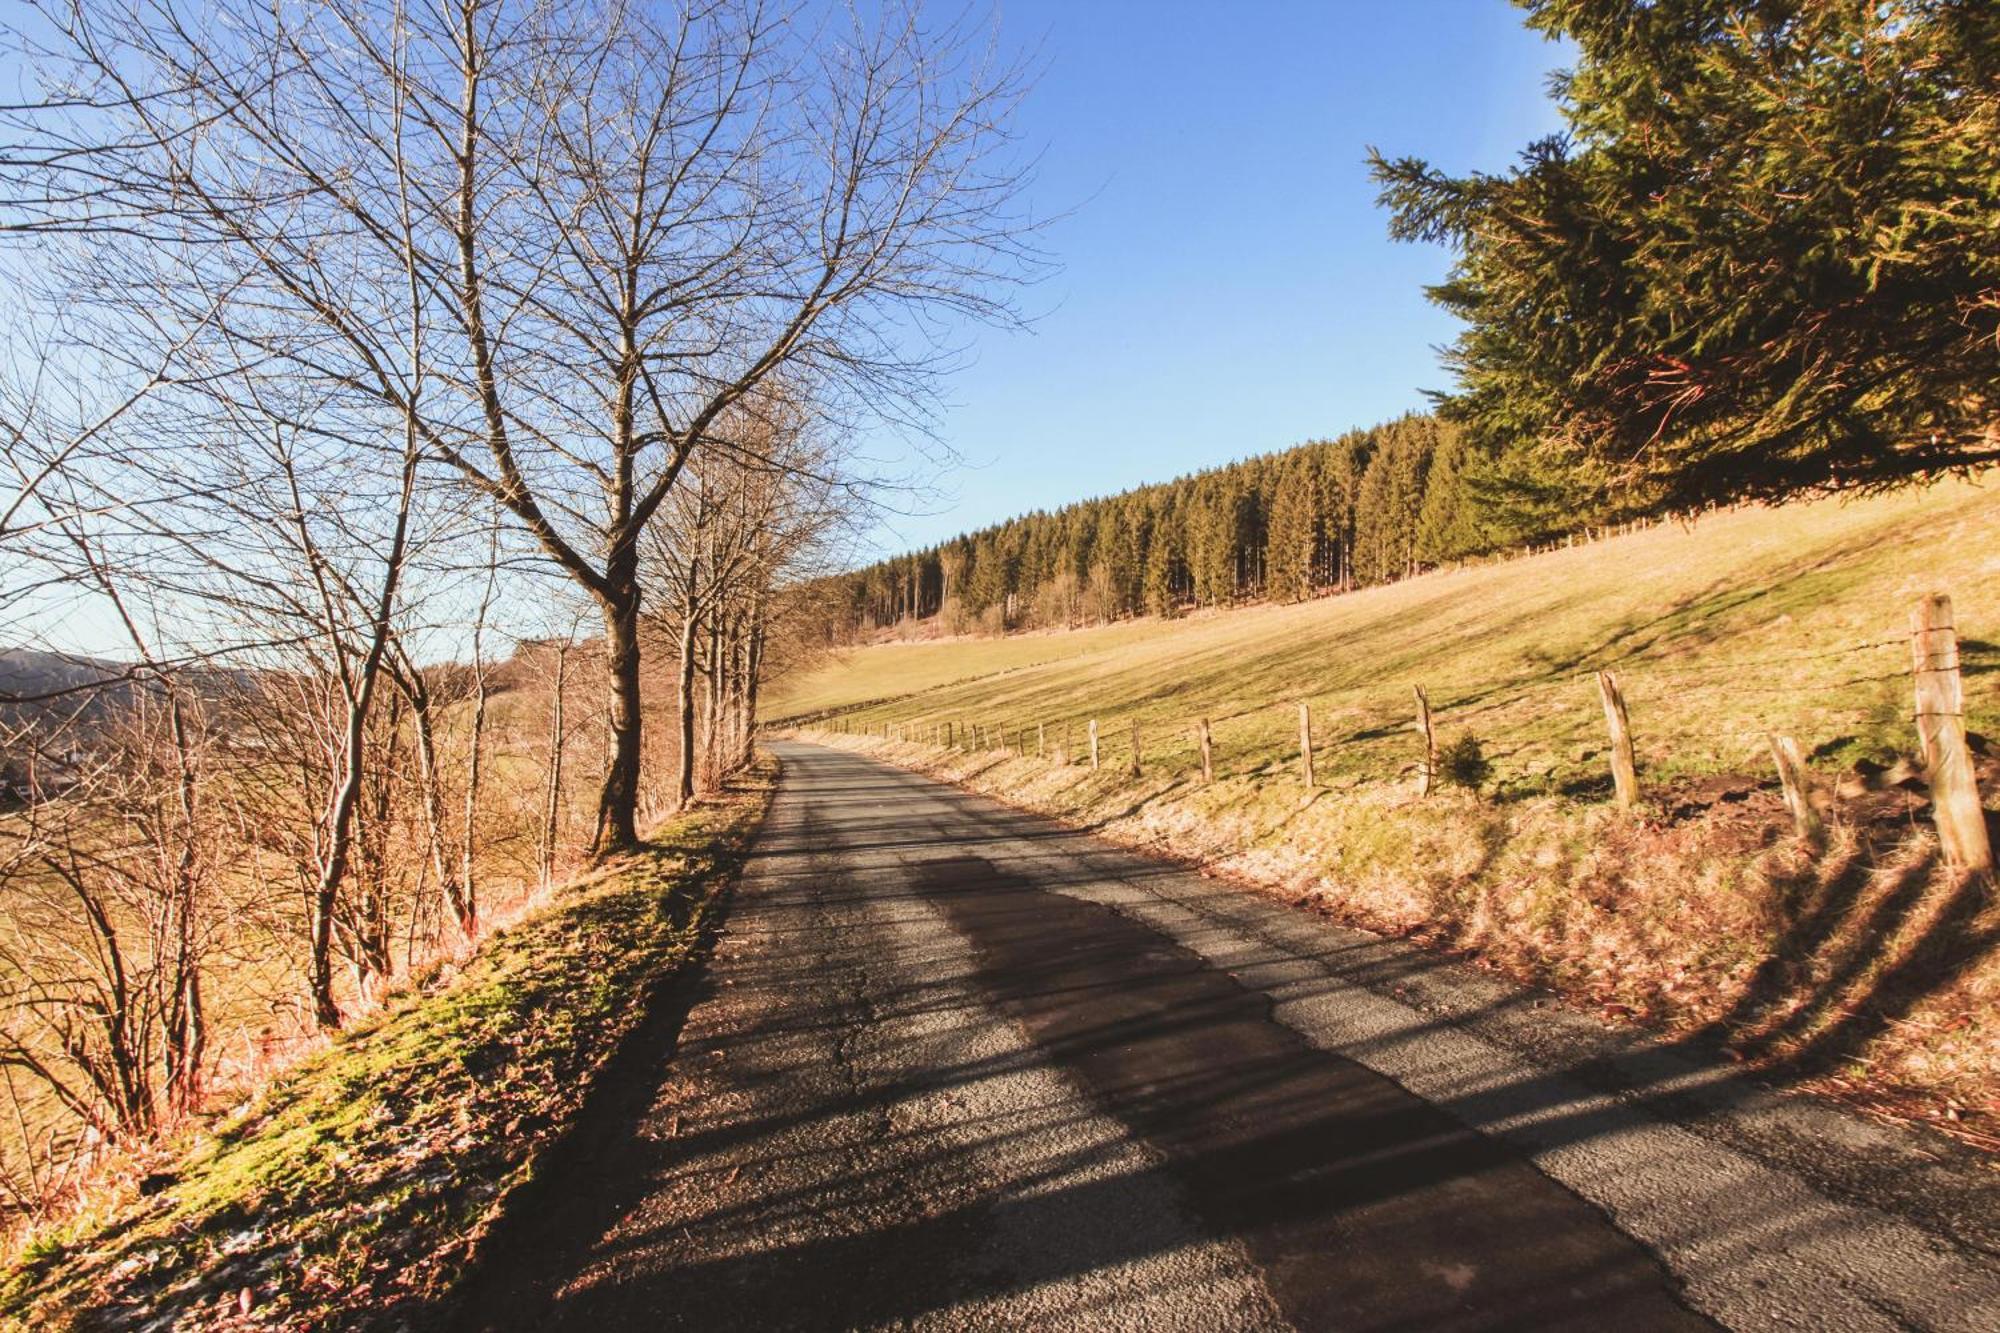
(1955, 803)
(1207, 754)
(1135, 747)
(1428, 773)
(1919, 649)
(1041, 740)
(948, 737)
(1624, 768)
(1093, 745)
(1796, 779)
(1305, 744)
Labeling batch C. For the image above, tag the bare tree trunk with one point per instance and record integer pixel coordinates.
(186, 1026)
(432, 802)
(684, 698)
(739, 694)
(552, 788)
(618, 803)
(467, 832)
(711, 751)
(753, 670)
(475, 741)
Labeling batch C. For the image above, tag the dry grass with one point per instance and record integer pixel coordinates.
(354, 1190)
(1863, 965)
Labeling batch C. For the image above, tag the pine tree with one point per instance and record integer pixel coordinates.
(1449, 518)
(1162, 557)
(1294, 535)
(1214, 537)
(1761, 261)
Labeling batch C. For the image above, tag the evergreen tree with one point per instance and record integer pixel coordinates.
(1162, 557)
(1341, 467)
(1117, 555)
(1293, 539)
(1390, 499)
(1449, 517)
(1761, 261)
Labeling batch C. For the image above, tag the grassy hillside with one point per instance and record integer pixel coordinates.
(356, 1189)
(1700, 910)
(1719, 633)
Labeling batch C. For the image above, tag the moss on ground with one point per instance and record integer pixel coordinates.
(354, 1191)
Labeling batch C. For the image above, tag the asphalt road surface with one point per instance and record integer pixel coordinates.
(955, 1067)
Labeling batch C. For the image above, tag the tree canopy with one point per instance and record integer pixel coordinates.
(1763, 260)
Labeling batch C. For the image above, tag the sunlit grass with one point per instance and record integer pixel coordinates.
(1720, 633)
(351, 1193)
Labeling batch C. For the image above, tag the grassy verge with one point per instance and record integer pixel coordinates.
(354, 1191)
(1862, 967)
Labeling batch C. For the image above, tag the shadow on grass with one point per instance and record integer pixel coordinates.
(486, 1294)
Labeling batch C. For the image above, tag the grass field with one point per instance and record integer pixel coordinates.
(1864, 962)
(1719, 633)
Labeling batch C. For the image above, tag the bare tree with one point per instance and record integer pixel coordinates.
(620, 221)
(769, 491)
(108, 873)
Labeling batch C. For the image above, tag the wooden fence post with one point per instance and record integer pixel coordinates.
(1069, 741)
(1427, 775)
(1955, 803)
(1041, 740)
(948, 737)
(1624, 768)
(1305, 744)
(1093, 745)
(1135, 747)
(1207, 755)
(1796, 779)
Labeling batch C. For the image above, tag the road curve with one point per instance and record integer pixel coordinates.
(954, 1067)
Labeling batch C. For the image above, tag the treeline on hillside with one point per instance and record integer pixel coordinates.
(1369, 507)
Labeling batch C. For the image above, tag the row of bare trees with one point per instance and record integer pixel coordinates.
(422, 416)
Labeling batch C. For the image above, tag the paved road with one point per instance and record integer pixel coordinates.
(954, 1067)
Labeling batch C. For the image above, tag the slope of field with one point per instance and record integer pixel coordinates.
(1864, 961)
(356, 1190)
(1719, 632)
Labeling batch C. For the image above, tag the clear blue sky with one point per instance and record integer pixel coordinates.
(1228, 286)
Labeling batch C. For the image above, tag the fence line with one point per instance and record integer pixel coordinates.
(1938, 713)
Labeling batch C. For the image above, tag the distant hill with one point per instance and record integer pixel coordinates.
(33, 675)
